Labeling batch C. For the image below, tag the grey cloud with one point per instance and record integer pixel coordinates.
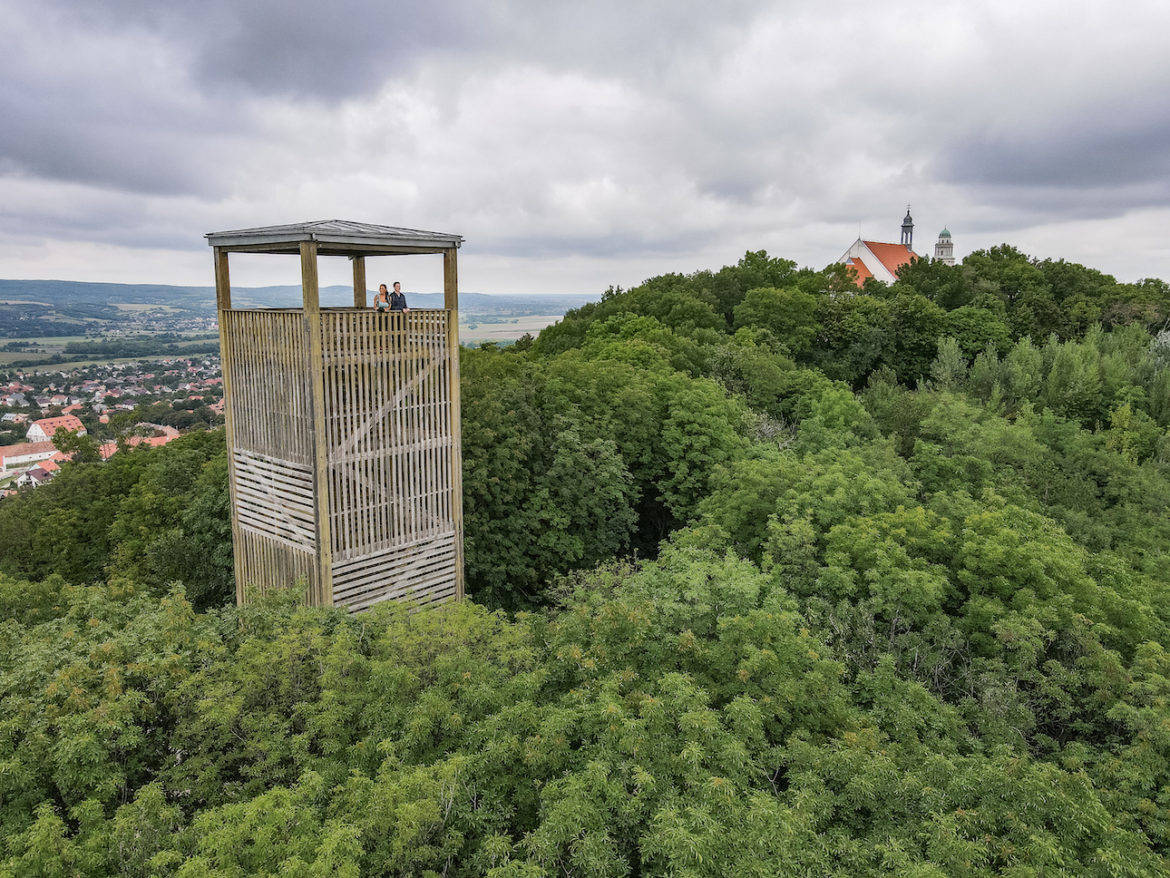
(598, 130)
(1104, 153)
(333, 50)
(344, 48)
(119, 221)
(658, 242)
(349, 48)
(153, 159)
(82, 107)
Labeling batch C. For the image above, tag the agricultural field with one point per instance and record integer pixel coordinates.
(477, 330)
(23, 350)
(146, 306)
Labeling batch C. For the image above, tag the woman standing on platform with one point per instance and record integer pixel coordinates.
(382, 300)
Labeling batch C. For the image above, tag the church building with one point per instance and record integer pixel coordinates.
(882, 261)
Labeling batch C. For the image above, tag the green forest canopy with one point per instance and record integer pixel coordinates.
(769, 577)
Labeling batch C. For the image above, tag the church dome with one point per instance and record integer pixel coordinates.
(944, 234)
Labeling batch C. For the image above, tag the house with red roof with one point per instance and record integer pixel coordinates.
(109, 449)
(151, 441)
(26, 452)
(44, 429)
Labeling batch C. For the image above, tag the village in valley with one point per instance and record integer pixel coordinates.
(127, 366)
(116, 405)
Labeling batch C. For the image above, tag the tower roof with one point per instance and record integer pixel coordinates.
(944, 233)
(334, 238)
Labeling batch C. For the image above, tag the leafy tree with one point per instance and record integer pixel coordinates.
(702, 430)
(197, 549)
(1006, 273)
(789, 315)
(948, 286)
(1023, 372)
(975, 329)
(543, 491)
(917, 630)
(856, 337)
(949, 368)
(81, 449)
(917, 325)
(1073, 385)
(157, 502)
(985, 380)
(756, 270)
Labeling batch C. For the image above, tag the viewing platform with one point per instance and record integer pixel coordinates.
(343, 427)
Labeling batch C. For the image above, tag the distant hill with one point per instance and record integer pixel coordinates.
(57, 293)
(202, 299)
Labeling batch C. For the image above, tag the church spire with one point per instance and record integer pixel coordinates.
(908, 230)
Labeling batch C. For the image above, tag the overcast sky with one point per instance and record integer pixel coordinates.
(579, 144)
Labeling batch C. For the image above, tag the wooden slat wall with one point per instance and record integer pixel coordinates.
(270, 394)
(275, 499)
(270, 460)
(263, 563)
(388, 432)
(389, 443)
(423, 573)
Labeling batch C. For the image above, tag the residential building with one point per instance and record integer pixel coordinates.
(26, 452)
(34, 477)
(44, 429)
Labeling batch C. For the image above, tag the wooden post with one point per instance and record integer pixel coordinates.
(223, 286)
(322, 595)
(451, 303)
(359, 282)
(223, 304)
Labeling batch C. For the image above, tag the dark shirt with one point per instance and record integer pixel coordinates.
(397, 301)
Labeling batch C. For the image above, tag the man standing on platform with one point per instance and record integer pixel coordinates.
(397, 299)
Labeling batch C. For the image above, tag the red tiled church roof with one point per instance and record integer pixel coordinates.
(892, 256)
(860, 267)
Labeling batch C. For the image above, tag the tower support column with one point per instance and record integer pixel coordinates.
(322, 595)
(359, 281)
(223, 304)
(451, 304)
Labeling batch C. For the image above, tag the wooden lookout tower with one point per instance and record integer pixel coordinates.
(343, 427)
